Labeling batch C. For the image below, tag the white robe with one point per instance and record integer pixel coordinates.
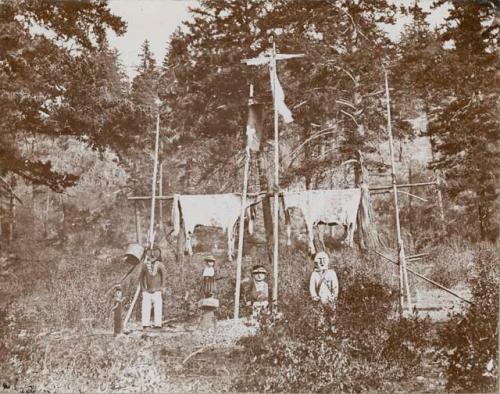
(327, 207)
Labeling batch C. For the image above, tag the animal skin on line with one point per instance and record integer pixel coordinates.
(213, 210)
(326, 207)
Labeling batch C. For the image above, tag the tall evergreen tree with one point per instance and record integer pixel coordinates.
(335, 87)
(37, 77)
(464, 122)
(145, 83)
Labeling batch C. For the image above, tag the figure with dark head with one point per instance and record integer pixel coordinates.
(153, 283)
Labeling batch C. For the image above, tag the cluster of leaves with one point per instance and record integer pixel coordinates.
(452, 75)
(369, 350)
(50, 89)
(335, 101)
(470, 341)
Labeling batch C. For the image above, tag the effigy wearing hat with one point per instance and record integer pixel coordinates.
(259, 269)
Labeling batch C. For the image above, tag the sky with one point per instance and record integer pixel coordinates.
(156, 20)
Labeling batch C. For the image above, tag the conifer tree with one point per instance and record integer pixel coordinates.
(38, 83)
(464, 121)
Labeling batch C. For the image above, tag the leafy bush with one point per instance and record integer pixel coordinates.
(369, 349)
(451, 263)
(470, 340)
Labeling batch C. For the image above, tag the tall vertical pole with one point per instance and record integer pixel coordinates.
(153, 187)
(272, 70)
(241, 234)
(160, 203)
(138, 237)
(152, 218)
(272, 64)
(403, 278)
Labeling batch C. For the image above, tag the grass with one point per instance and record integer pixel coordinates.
(66, 292)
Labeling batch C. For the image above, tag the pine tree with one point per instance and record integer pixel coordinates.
(464, 122)
(36, 74)
(334, 87)
(145, 83)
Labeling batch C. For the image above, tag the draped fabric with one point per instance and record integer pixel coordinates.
(213, 210)
(326, 207)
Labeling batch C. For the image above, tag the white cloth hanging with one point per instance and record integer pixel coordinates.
(327, 207)
(213, 210)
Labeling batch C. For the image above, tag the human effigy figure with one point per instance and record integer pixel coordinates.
(257, 292)
(208, 275)
(153, 283)
(117, 310)
(324, 286)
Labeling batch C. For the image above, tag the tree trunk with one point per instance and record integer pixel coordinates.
(265, 182)
(410, 215)
(12, 209)
(46, 217)
(181, 244)
(440, 202)
(64, 234)
(483, 216)
(367, 233)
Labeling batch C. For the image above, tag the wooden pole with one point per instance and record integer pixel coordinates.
(138, 235)
(273, 70)
(153, 187)
(131, 308)
(160, 190)
(403, 281)
(427, 279)
(241, 235)
(152, 218)
(404, 185)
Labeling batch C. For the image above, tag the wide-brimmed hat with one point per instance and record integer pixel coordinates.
(210, 258)
(259, 269)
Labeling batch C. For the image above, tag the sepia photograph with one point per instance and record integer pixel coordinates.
(285, 196)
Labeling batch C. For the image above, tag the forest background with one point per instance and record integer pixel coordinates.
(77, 139)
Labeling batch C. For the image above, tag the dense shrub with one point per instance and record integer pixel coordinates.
(369, 349)
(470, 340)
(451, 263)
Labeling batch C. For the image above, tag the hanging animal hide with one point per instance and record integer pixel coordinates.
(212, 210)
(326, 207)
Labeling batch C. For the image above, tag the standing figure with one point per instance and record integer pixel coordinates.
(117, 311)
(209, 277)
(152, 279)
(324, 286)
(257, 293)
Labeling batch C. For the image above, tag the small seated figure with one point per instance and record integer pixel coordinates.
(257, 294)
